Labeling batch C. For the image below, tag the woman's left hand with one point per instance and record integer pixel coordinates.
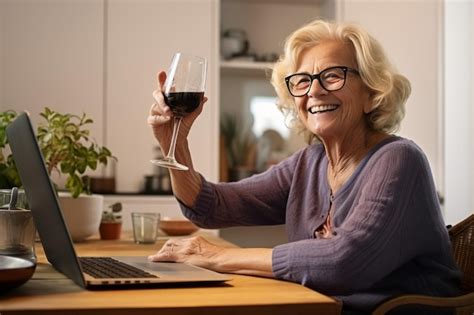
(195, 251)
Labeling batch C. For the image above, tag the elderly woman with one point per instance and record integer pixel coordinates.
(359, 204)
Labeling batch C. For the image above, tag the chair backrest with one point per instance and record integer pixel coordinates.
(462, 238)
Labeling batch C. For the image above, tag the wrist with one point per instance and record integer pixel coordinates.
(221, 262)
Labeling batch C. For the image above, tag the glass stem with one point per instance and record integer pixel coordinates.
(174, 137)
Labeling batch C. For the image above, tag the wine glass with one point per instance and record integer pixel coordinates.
(183, 92)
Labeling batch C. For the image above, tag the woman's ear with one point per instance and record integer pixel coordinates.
(369, 104)
(368, 107)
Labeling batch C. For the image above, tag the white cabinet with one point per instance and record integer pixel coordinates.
(142, 36)
(52, 55)
(101, 57)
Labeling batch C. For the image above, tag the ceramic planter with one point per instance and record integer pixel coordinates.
(110, 230)
(82, 214)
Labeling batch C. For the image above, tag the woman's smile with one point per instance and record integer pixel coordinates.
(318, 109)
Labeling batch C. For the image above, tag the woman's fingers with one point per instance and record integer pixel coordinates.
(169, 252)
(157, 120)
(195, 250)
(189, 119)
(161, 107)
(157, 115)
(161, 80)
(160, 113)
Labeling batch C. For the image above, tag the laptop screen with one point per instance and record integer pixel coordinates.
(42, 199)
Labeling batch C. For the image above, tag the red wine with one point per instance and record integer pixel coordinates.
(183, 103)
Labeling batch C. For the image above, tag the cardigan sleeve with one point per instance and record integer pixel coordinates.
(258, 200)
(380, 233)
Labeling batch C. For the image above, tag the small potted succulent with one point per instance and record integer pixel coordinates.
(111, 225)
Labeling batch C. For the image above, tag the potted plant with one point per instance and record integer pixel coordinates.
(9, 177)
(111, 225)
(240, 146)
(69, 151)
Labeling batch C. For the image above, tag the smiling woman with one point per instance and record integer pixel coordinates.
(361, 190)
(388, 90)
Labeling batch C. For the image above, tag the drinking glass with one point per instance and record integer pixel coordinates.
(17, 229)
(145, 227)
(183, 92)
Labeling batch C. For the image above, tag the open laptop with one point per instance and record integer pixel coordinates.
(55, 237)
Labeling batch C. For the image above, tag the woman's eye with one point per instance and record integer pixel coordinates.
(332, 76)
(302, 82)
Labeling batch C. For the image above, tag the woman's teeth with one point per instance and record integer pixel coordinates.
(322, 108)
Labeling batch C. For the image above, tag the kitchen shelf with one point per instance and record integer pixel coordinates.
(249, 65)
(246, 68)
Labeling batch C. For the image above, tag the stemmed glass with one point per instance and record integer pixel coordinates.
(183, 92)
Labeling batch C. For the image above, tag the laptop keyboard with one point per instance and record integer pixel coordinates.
(107, 267)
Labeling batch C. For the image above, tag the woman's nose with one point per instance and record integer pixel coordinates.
(316, 89)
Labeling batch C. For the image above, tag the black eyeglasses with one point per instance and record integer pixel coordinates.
(331, 79)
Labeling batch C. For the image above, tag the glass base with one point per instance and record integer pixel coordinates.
(170, 163)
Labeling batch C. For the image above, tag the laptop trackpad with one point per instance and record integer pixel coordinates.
(162, 268)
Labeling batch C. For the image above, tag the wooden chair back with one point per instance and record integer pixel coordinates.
(462, 238)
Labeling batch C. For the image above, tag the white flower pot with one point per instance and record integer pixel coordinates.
(82, 214)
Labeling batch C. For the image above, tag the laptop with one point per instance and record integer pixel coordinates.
(56, 239)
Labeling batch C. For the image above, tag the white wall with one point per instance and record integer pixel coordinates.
(459, 116)
(101, 57)
(410, 33)
(38, 57)
(142, 37)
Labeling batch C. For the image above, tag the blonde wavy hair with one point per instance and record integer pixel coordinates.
(389, 89)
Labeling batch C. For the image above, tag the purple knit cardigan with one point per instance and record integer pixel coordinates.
(388, 234)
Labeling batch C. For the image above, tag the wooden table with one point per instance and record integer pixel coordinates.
(49, 292)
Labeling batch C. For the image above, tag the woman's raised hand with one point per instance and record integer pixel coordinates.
(159, 116)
